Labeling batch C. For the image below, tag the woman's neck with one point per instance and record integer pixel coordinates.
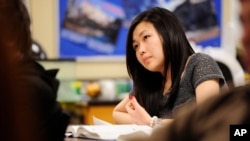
(168, 82)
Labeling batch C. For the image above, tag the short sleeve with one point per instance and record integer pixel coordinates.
(205, 68)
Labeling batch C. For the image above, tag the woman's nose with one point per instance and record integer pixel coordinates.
(142, 49)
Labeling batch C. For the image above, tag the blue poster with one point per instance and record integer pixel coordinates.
(99, 27)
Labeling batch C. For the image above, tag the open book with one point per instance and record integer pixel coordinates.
(105, 131)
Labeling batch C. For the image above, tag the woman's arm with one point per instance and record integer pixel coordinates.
(120, 113)
(203, 91)
(207, 89)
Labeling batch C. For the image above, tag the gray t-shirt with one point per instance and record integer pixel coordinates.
(201, 67)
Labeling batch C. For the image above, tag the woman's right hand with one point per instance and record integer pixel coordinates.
(137, 113)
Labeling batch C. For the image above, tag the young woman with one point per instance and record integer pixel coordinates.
(165, 70)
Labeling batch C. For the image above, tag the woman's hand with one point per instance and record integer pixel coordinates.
(137, 113)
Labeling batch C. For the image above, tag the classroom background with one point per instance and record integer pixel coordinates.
(92, 83)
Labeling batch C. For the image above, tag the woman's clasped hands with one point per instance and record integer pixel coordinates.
(137, 113)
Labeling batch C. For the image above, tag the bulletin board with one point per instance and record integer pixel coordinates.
(92, 28)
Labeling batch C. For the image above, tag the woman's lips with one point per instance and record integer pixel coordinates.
(146, 59)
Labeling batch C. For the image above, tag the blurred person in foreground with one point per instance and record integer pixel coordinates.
(33, 93)
(244, 18)
(211, 120)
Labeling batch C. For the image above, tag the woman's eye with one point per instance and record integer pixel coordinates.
(135, 47)
(145, 37)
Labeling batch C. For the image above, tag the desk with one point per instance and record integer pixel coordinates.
(99, 109)
(82, 112)
(76, 139)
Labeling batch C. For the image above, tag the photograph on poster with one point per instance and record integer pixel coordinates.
(91, 28)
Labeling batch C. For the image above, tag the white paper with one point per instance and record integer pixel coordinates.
(103, 130)
(98, 121)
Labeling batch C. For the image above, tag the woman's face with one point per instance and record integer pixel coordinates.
(147, 44)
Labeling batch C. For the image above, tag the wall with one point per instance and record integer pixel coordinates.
(88, 69)
(44, 30)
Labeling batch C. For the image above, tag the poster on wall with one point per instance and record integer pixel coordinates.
(91, 28)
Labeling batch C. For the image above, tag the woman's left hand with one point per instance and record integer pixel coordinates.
(137, 113)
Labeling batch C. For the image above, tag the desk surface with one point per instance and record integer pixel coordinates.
(76, 139)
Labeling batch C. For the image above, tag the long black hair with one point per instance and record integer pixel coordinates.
(148, 86)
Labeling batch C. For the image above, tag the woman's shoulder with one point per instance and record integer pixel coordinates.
(201, 56)
(201, 59)
(202, 64)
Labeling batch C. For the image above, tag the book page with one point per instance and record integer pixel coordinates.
(98, 121)
(111, 132)
(71, 130)
(103, 130)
